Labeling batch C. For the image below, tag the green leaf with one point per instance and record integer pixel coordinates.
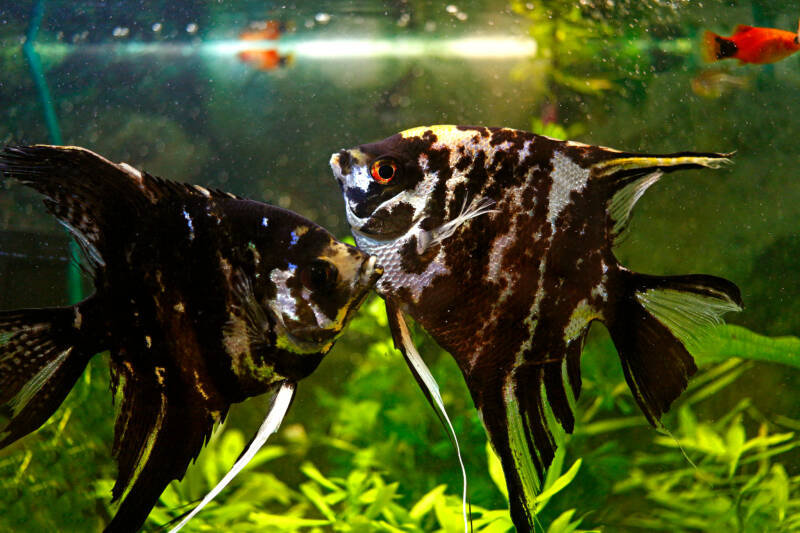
(312, 472)
(496, 471)
(427, 502)
(313, 494)
(275, 520)
(560, 483)
(728, 340)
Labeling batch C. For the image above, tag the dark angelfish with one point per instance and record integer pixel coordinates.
(499, 243)
(202, 299)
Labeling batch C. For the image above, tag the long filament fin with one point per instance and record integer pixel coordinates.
(280, 405)
(404, 343)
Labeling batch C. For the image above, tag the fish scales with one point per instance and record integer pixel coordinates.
(202, 299)
(499, 243)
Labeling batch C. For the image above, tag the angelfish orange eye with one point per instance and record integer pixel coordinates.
(383, 171)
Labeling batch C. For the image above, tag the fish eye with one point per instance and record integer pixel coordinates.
(383, 170)
(319, 275)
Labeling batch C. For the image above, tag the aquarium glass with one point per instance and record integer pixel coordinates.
(192, 91)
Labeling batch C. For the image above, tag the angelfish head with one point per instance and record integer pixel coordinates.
(323, 283)
(392, 185)
(399, 191)
(303, 288)
(380, 184)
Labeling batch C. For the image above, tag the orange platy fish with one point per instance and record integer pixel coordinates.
(749, 44)
(264, 30)
(268, 59)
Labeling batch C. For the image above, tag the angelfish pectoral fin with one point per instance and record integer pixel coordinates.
(404, 343)
(277, 411)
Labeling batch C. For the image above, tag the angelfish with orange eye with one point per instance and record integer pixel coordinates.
(499, 243)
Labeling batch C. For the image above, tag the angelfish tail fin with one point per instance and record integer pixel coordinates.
(40, 362)
(654, 321)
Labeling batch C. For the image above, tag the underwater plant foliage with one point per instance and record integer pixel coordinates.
(368, 467)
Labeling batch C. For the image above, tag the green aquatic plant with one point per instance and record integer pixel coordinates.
(735, 482)
(363, 452)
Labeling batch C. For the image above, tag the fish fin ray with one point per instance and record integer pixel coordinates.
(621, 167)
(39, 366)
(403, 342)
(572, 364)
(87, 193)
(709, 48)
(653, 321)
(500, 402)
(476, 208)
(630, 175)
(742, 28)
(691, 305)
(621, 204)
(160, 429)
(281, 401)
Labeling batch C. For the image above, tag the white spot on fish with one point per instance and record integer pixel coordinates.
(294, 240)
(322, 319)
(135, 173)
(264, 222)
(202, 190)
(360, 178)
(190, 223)
(286, 302)
(525, 152)
(568, 177)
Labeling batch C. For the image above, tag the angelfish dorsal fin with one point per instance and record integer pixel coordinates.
(630, 175)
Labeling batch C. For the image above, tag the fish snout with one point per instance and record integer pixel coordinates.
(337, 169)
(370, 271)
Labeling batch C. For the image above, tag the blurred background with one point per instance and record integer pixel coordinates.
(253, 97)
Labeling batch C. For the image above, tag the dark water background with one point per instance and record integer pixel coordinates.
(162, 89)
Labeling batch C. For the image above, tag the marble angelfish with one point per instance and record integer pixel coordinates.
(202, 299)
(499, 243)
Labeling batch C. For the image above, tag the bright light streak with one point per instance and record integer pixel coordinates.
(487, 47)
(330, 49)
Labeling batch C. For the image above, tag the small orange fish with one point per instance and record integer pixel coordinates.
(714, 83)
(749, 44)
(268, 59)
(265, 30)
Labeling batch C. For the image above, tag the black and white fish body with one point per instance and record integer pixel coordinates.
(202, 299)
(499, 243)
